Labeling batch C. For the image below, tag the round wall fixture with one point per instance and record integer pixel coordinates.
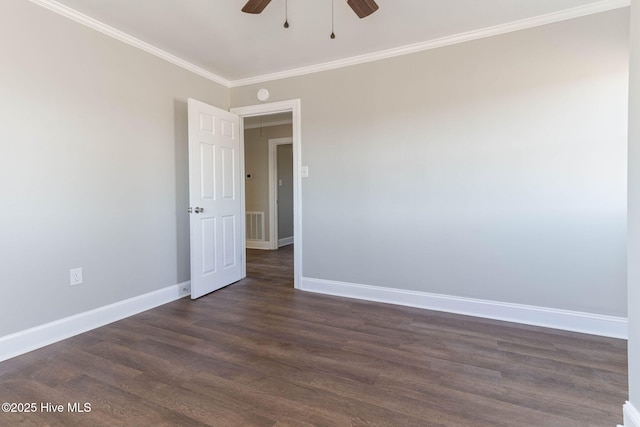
(263, 94)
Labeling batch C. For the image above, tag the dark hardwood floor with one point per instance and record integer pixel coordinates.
(259, 353)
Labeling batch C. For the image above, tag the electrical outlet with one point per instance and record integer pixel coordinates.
(75, 276)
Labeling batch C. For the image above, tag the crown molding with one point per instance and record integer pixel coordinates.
(576, 12)
(94, 24)
(564, 15)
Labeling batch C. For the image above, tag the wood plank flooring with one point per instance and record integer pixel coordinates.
(259, 353)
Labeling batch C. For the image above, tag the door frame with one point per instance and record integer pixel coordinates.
(292, 106)
(273, 189)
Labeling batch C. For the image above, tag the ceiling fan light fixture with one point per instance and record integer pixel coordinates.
(362, 8)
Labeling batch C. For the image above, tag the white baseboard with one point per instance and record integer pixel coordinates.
(49, 333)
(631, 415)
(253, 244)
(595, 324)
(285, 241)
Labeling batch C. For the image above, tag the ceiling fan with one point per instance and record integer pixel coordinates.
(362, 8)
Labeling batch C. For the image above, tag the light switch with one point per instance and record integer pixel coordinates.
(304, 171)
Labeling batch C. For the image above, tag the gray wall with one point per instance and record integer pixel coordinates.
(93, 167)
(634, 209)
(285, 191)
(256, 160)
(493, 169)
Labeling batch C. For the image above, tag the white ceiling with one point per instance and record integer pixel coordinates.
(217, 37)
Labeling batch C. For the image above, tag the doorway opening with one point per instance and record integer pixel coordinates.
(281, 191)
(270, 135)
(268, 154)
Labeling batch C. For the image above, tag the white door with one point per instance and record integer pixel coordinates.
(214, 198)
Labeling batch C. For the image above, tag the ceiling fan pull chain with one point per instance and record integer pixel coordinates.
(286, 14)
(333, 35)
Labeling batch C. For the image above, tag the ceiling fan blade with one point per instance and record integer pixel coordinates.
(363, 8)
(255, 6)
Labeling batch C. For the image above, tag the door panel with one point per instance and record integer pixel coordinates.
(228, 174)
(229, 230)
(216, 210)
(207, 239)
(207, 177)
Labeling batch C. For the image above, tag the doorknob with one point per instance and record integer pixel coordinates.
(190, 210)
(198, 210)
